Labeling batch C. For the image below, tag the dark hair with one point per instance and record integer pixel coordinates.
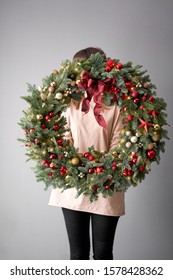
(86, 53)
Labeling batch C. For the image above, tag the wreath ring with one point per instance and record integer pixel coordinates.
(108, 81)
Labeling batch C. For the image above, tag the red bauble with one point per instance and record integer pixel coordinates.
(110, 63)
(51, 114)
(142, 168)
(43, 126)
(125, 172)
(99, 169)
(94, 188)
(86, 155)
(130, 118)
(56, 127)
(134, 94)
(63, 170)
(119, 66)
(90, 157)
(47, 118)
(128, 85)
(124, 96)
(52, 165)
(50, 174)
(142, 107)
(134, 160)
(136, 101)
(107, 187)
(114, 167)
(32, 130)
(151, 98)
(45, 163)
(144, 98)
(52, 156)
(151, 154)
(130, 172)
(59, 142)
(91, 170)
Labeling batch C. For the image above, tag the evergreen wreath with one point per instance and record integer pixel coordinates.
(58, 162)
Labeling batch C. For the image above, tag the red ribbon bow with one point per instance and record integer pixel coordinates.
(93, 88)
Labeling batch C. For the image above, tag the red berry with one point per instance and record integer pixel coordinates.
(114, 163)
(142, 107)
(25, 132)
(50, 174)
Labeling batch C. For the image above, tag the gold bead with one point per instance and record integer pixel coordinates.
(39, 117)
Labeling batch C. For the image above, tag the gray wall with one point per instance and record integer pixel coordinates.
(35, 37)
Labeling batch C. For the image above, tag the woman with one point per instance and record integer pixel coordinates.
(105, 212)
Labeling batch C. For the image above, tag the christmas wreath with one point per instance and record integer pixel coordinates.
(107, 81)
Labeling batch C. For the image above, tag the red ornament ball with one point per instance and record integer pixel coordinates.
(151, 154)
(119, 66)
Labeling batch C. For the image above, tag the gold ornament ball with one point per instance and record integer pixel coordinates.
(39, 117)
(67, 178)
(122, 140)
(122, 131)
(115, 154)
(155, 137)
(145, 85)
(55, 72)
(150, 146)
(75, 161)
(51, 89)
(156, 126)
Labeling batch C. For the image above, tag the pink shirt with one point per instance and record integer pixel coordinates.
(86, 132)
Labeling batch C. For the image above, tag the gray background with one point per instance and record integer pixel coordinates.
(35, 37)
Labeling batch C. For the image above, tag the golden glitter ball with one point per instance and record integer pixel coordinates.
(122, 140)
(150, 146)
(75, 161)
(145, 85)
(55, 72)
(39, 117)
(156, 126)
(114, 154)
(155, 137)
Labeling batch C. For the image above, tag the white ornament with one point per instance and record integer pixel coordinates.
(59, 96)
(128, 133)
(134, 139)
(128, 145)
(138, 134)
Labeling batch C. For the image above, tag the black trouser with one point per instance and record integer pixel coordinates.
(78, 229)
